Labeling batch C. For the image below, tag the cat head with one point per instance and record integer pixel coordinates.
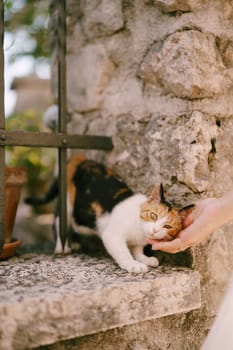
(160, 219)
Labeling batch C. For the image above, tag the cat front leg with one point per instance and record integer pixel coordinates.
(119, 251)
(58, 235)
(58, 244)
(137, 252)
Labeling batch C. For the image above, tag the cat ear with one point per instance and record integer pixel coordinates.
(185, 211)
(155, 194)
(161, 192)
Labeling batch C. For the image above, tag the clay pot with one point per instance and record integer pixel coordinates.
(15, 179)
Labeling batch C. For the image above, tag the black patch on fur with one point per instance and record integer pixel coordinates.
(48, 196)
(162, 198)
(95, 183)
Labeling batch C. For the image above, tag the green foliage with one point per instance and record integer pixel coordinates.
(30, 17)
(27, 22)
(28, 121)
(38, 161)
(7, 4)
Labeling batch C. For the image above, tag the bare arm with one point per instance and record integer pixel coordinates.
(207, 217)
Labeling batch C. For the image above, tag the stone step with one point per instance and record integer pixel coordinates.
(45, 299)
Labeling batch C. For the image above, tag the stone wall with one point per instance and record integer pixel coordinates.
(157, 76)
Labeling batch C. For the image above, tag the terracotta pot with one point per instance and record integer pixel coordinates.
(15, 178)
(9, 249)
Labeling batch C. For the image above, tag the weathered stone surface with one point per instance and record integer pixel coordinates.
(193, 166)
(91, 70)
(101, 17)
(124, 96)
(188, 65)
(220, 107)
(45, 299)
(179, 5)
(226, 50)
(223, 157)
(148, 335)
(189, 141)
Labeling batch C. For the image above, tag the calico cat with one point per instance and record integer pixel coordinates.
(99, 202)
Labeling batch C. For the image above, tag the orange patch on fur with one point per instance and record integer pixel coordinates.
(97, 208)
(173, 216)
(122, 190)
(109, 171)
(71, 167)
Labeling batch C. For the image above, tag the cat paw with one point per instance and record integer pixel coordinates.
(59, 250)
(152, 261)
(67, 250)
(149, 261)
(136, 267)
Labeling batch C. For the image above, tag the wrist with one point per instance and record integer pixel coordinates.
(225, 208)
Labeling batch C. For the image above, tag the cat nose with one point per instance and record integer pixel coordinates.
(155, 230)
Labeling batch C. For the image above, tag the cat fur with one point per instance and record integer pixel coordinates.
(99, 202)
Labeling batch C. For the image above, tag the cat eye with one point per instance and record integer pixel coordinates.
(153, 216)
(167, 226)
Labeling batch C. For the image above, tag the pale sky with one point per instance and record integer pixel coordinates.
(20, 67)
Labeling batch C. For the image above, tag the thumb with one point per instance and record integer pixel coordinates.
(188, 220)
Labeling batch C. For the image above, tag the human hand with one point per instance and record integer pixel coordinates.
(197, 226)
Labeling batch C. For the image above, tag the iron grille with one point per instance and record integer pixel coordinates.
(60, 140)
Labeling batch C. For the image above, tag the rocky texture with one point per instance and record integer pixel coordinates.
(148, 335)
(193, 160)
(101, 17)
(45, 299)
(89, 78)
(188, 65)
(179, 5)
(167, 103)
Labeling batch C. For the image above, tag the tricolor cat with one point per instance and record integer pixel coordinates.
(99, 202)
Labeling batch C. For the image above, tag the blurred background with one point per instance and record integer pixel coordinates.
(27, 96)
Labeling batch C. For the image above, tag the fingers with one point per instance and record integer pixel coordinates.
(178, 244)
(183, 241)
(197, 226)
(175, 246)
(188, 220)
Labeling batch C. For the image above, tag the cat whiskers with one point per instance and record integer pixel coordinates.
(166, 237)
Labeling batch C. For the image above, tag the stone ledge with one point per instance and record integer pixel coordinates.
(44, 299)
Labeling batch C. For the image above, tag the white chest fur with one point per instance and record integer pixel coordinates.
(124, 220)
(123, 236)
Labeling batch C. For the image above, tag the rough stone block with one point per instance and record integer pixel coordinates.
(193, 168)
(225, 47)
(179, 5)
(140, 156)
(188, 65)
(91, 70)
(124, 96)
(190, 145)
(101, 17)
(45, 299)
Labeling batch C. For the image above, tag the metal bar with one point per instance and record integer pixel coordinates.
(62, 120)
(60, 140)
(2, 126)
(56, 140)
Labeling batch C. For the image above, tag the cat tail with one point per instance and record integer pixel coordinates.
(51, 194)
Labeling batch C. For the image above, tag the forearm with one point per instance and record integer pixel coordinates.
(225, 208)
